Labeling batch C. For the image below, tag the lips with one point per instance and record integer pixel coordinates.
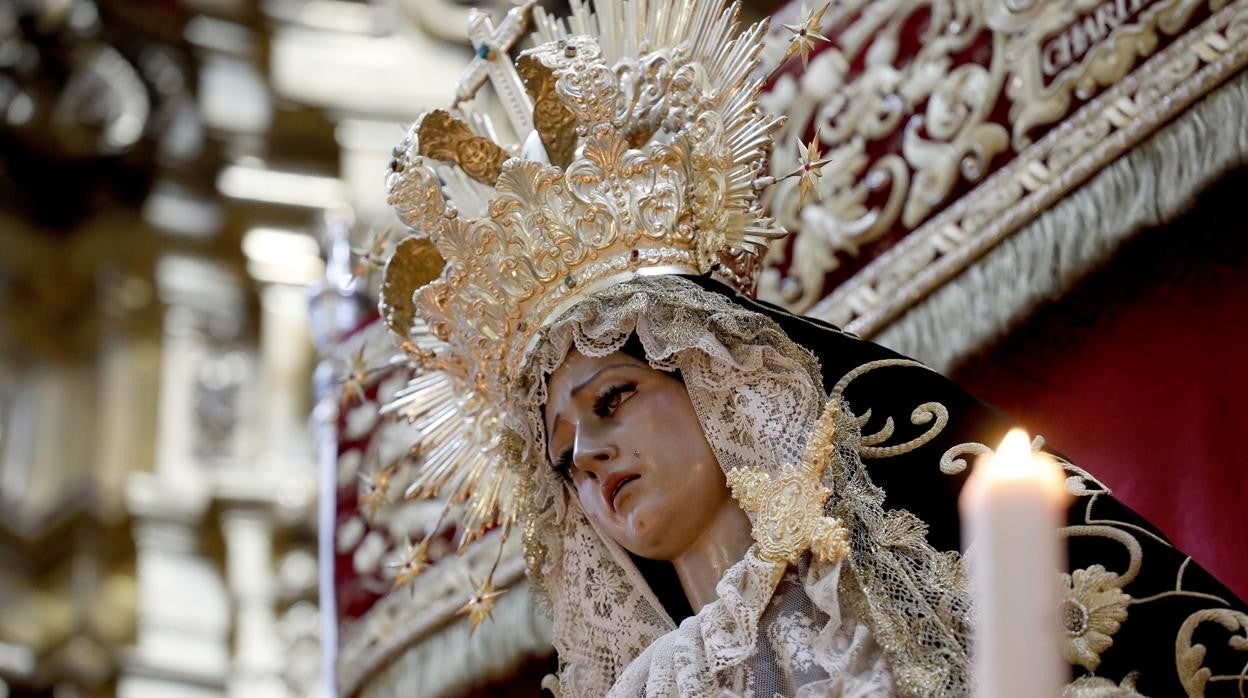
(611, 488)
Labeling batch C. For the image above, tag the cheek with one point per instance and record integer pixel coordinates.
(587, 494)
(678, 433)
(685, 467)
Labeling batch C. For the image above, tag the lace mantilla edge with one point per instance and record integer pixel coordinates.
(772, 631)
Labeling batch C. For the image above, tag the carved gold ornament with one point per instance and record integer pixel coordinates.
(444, 137)
(458, 445)
(786, 507)
(625, 205)
(554, 121)
(415, 262)
(642, 150)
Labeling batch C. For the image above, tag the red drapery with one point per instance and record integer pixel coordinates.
(1140, 376)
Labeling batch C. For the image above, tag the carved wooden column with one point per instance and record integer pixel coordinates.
(182, 645)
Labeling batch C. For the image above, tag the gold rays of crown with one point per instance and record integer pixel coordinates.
(650, 145)
(643, 150)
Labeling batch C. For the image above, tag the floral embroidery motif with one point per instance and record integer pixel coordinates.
(787, 507)
(1094, 608)
(1101, 687)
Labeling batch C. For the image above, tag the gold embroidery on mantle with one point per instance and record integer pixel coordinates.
(951, 464)
(1180, 591)
(1139, 529)
(1189, 658)
(1097, 602)
(1101, 687)
(923, 414)
(953, 461)
(1094, 608)
(787, 507)
(1105, 587)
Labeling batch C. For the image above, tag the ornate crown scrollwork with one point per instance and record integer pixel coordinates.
(642, 154)
(662, 147)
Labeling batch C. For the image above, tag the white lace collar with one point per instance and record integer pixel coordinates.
(718, 649)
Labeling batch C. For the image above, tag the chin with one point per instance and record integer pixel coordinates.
(645, 538)
(652, 552)
(653, 543)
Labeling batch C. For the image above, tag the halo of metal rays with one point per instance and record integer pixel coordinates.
(457, 454)
(729, 56)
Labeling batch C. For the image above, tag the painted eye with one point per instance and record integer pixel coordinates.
(611, 398)
(563, 464)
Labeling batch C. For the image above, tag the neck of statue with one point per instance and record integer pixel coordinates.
(721, 545)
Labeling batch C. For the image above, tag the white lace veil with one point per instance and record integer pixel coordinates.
(757, 395)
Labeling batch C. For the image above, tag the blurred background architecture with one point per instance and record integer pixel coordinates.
(170, 172)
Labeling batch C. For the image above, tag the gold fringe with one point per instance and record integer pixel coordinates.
(1151, 184)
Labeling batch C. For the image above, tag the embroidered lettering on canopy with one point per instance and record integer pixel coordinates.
(1077, 38)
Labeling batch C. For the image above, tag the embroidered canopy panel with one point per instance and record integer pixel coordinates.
(951, 125)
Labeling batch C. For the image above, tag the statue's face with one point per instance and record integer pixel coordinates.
(628, 439)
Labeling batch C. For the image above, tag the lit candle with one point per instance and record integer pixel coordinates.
(1012, 506)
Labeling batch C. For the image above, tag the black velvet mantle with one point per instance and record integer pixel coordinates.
(1182, 625)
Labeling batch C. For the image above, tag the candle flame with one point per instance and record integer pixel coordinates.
(1015, 461)
(1014, 454)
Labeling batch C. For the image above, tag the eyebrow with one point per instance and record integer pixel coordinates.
(550, 428)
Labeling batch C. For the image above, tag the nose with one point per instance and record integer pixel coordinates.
(591, 453)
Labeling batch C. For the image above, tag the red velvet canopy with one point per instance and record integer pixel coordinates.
(1139, 375)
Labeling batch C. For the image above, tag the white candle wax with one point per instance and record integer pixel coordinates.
(1012, 506)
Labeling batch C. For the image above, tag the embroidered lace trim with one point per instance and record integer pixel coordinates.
(769, 634)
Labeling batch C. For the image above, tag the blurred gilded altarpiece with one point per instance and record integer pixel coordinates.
(168, 172)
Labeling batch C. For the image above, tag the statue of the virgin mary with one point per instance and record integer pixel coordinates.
(713, 494)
